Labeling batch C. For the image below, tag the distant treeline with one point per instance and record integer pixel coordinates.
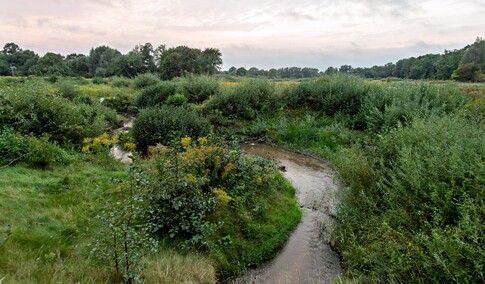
(286, 73)
(104, 61)
(466, 64)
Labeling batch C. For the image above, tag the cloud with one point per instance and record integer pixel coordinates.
(314, 33)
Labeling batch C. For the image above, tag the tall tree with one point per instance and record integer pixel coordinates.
(50, 64)
(147, 54)
(448, 62)
(209, 61)
(17, 59)
(77, 65)
(99, 60)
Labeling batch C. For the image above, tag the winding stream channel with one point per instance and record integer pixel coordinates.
(307, 256)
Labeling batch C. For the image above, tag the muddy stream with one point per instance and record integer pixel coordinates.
(307, 256)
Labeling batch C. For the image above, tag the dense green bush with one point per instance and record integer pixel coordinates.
(155, 94)
(68, 90)
(31, 109)
(387, 106)
(144, 80)
(121, 82)
(39, 152)
(99, 80)
(415, 209)
(336, 93)
(163, 124)
(176, 100)
(199, 88)
(236, 207)
(120, 102)
(245, 101)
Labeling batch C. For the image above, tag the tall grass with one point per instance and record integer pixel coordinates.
(415, 205)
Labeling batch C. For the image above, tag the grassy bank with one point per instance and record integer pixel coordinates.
(70, 213)
(410, 157)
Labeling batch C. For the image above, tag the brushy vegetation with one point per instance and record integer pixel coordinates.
(155, 95)
(163, 124)
(144, 80)
(199, 88)
(245, 101)
(198, 203)
(410, 156)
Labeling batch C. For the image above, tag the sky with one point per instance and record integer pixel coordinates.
(250, 33)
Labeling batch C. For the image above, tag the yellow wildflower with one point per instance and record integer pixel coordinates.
(227, 169)
(130, 145)
(185, 141)
(222, 197)
(203, 140)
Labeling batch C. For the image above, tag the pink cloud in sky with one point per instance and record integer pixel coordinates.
(249, 33)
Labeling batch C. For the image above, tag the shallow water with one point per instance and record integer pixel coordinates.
(116, 150)
(307, 256)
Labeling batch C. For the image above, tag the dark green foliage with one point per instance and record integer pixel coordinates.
(100, 59)
(468, 72)
(38, 152)
(199, 88)
(98, 80)
(120, 102)
(332, 94)
(154, 95)
(236, 207)
(68, 90)
(50, 64)
(144, 80)
(245, 101)
(30, 109)
(415, 207)
(176, 100)
(399, 104)
(163, 124)
(121, 82)
(448, 63)
(181, 60)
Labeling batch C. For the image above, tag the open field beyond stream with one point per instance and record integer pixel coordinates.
(191, 205)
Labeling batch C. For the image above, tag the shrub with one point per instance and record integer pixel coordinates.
(15, 148)
(144, 80)
(418, 215)
(123, 244)
(176, 100)
(199, 88)
(121, 82)
(155, 94)
(386, 107)
(120, 102)
(30, 109)
(244, 101)
(99, 80)
(236, 207)
(68, 90)
(161, 125)
(43, 153)
(332, 94)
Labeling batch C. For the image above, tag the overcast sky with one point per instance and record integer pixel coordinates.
(250, 33)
